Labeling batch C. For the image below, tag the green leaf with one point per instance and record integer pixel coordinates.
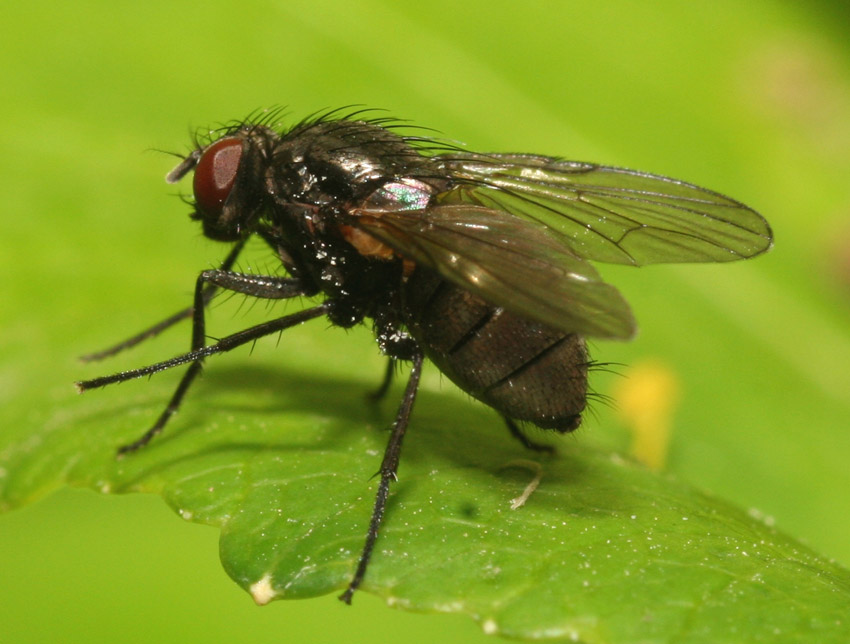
(749, 99)
(600, 550)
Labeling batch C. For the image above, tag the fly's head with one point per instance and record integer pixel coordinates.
(228, 183)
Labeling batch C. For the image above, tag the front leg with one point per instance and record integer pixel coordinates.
(260, 286)
(170, 321)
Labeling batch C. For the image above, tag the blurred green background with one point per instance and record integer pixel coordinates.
(751, 100)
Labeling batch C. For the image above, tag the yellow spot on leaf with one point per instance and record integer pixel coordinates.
(647, 399)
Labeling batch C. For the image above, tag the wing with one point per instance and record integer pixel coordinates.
(610, 214)
(507, 261)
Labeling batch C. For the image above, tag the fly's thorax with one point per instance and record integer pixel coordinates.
(339, 162)
(315, 241)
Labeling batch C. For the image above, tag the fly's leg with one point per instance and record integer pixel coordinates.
(195, 357)
(389, 467)
(517, 433)
(170, 321)
(261, 286)
(384, 387)
(224, 345)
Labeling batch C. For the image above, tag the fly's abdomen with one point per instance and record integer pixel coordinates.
(521, 368)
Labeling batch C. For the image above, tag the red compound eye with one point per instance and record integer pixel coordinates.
(216, 173)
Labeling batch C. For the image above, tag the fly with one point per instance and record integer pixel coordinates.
(478, 262)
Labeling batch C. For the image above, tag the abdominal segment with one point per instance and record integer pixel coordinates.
(521, 368)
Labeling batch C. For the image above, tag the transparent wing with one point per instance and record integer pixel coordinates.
(610, 214)
(507, 261)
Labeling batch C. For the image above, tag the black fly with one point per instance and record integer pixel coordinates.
(478, 262)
